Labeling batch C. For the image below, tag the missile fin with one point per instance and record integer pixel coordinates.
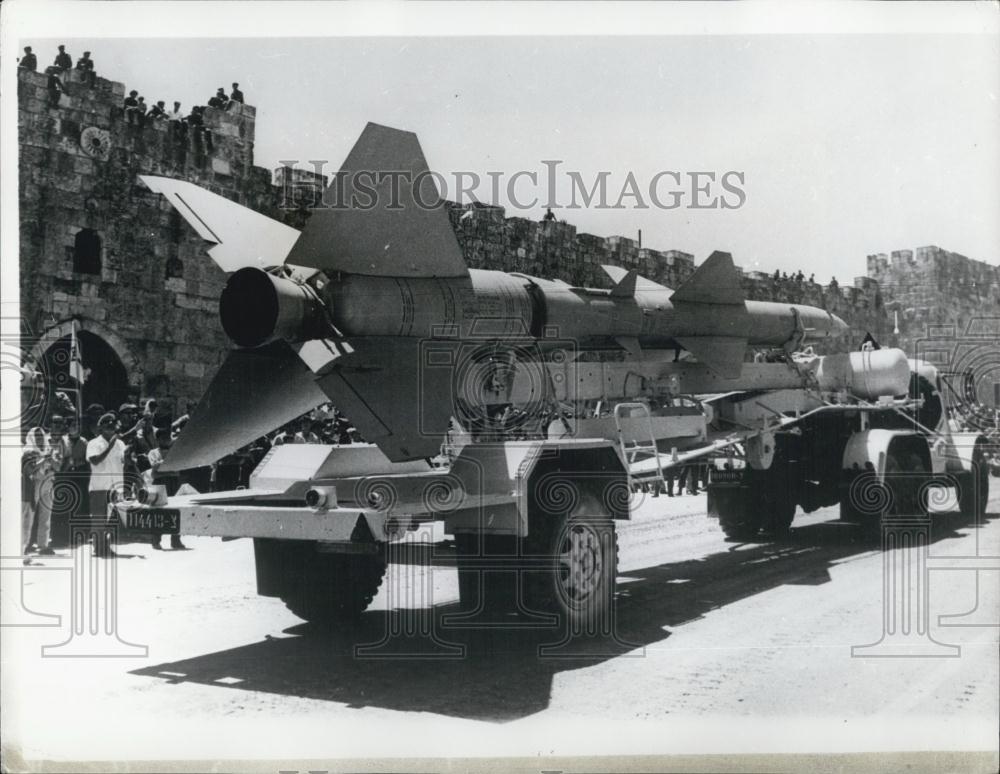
(617, 274)
(254, 392)
(380, 223)
(241, 237)
(631, 345)
(716, 281)
(625, 287)
(395, 403)
(723, 355)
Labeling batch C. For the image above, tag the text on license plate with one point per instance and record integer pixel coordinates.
(166, 520)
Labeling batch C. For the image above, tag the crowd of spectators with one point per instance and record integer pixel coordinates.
(137, 111)
(182, 126)
(59, 69)
(73, 466)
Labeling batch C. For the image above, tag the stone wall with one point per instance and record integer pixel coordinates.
(930, 288)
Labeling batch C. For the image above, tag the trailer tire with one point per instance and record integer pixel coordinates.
(335, 587)
(579, 558)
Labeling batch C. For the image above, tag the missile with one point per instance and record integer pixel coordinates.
(344, 311)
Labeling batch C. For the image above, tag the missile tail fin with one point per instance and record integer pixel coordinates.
(254, 392)
(382, 215)
(240, 236)
(393, 401)
(716, 281)
(631, 345)
(723, 355)
(625, 287)
(618, 275)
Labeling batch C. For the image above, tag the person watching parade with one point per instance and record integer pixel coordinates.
(106, 455)
(29, 61)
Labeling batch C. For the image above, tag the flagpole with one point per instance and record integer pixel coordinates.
(79, 386)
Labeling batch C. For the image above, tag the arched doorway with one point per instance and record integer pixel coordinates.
(106, 379)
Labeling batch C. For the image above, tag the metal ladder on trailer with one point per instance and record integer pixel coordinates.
(632, 450)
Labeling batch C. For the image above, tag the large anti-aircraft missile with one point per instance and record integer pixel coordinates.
(344, 310)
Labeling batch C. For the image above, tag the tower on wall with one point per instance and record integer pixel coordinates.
(107, 262)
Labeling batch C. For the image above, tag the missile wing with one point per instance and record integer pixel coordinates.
(239, 236)
(254, 392)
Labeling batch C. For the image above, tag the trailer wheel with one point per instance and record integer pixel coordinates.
(579, 558)
(335, 587)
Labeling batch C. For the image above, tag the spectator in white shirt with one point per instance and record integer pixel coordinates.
(106, 455)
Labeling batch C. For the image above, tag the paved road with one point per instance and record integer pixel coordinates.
(720, 647)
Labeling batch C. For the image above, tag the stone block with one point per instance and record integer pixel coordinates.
(221, 166)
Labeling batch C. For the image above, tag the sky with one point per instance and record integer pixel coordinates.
(848, 144)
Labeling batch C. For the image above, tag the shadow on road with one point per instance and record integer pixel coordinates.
(501, 675)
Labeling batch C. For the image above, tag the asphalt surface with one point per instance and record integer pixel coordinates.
(717, 647)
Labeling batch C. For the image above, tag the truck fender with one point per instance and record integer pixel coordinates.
(870, 450)
(964, 448)
(870, 460)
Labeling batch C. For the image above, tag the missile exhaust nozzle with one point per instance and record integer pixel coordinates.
(257, 307)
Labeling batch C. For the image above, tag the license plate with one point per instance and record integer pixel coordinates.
(726, 476)
(165, 520)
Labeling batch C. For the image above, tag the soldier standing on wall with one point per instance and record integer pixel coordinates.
(54, 85)
(237, 95)
(28, 61)
(63, 60)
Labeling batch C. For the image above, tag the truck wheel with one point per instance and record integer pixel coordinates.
(335, 587)
(743, 527)
(767, 507)
(579, 557)
(974, 489)
(779, 514)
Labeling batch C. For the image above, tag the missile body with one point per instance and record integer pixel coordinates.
(507, 307)
(372, 308)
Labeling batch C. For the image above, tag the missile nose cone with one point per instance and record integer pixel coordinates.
(839, 327)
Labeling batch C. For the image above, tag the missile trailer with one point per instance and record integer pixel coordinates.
(522, 414)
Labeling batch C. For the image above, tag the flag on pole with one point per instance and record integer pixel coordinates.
(76, 369)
